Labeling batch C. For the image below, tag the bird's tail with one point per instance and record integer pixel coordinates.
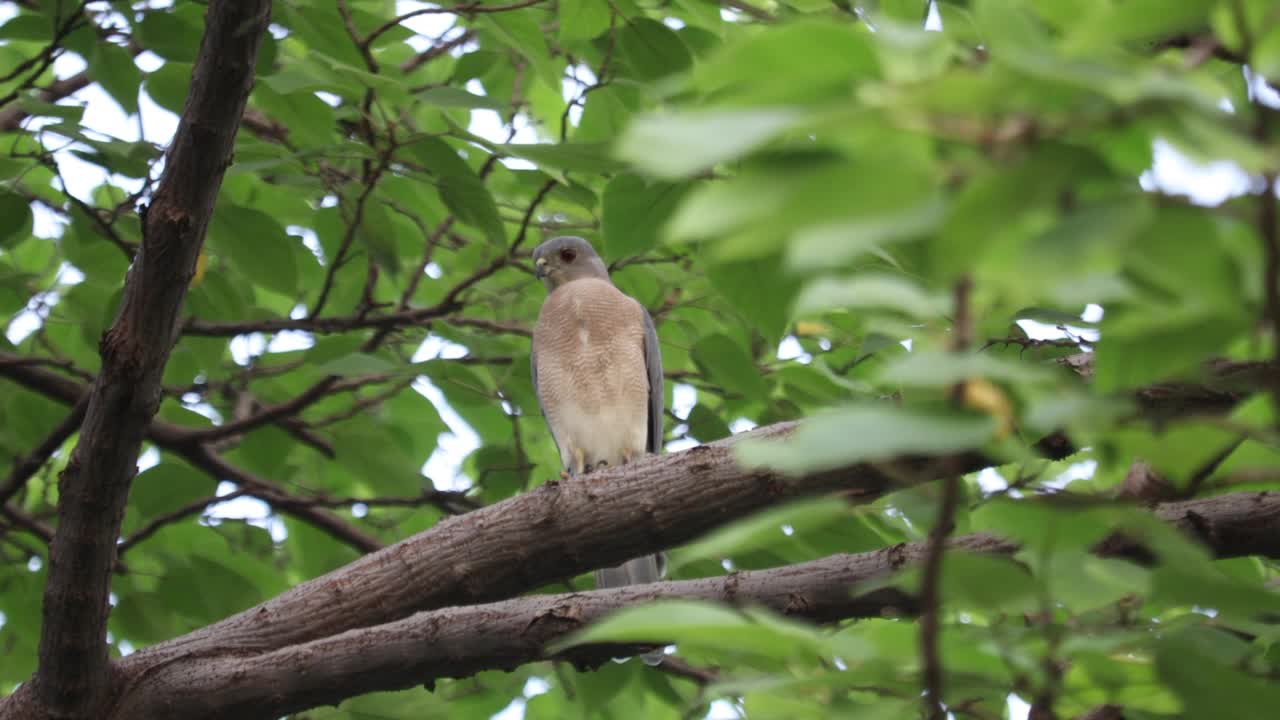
(638, 571)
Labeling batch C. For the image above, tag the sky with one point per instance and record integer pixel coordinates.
(1171, 172)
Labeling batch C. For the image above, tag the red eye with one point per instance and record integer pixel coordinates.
(567, 255)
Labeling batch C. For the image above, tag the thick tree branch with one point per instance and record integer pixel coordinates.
(460, 641)
(72, 679)
(598, 520)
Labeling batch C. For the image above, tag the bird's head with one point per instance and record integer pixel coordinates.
(565, 259)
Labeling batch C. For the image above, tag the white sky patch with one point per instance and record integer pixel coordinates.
(533, 687)
(250, 510)
(1019, 709)
(290, 341)
(1082, 470)
(148, 459)
(244, 348)
(741, 425)
(990, 480)
(683, 398)
(790, 349)
(29, 319)
(934, 21)
(444, 467)
(723, 710)
(682, 443)
(432, 25)
(1205, 183)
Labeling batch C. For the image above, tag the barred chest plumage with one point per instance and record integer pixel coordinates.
(589, 344)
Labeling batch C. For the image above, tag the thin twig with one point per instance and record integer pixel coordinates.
(930, 609)
(159, 521)
(26, 466)
(468, 9)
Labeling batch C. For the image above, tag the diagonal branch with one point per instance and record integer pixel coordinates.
(597, 520)
(460, 641)
(27, 465)
(73, 674)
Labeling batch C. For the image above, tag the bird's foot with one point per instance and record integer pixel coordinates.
(598, 466)
(564, 475)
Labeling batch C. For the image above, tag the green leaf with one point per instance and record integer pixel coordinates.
(470, 200)
(808, 60)
(113, 68)
(763, 530)
(521, 32)
(164, 488)
(705, 425)
(1200, 665)
(677, 145)
(728, 365)
(257, 245)
(27, 26)
(838, 242)
(871, 291)
(582, 19)
(1159, 343)
(32, 105)
(357, 364)
(701, 625)
(760, 291)
(18, 218)
(461, 189)
(634, 213)
(940, 369)
(452, 97)
(864, 433)
(652, 50)
(173, 35)
(582, 157)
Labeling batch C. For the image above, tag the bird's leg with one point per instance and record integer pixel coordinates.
(579, 462)
(626, 456)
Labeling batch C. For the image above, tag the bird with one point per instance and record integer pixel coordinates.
(597, 376)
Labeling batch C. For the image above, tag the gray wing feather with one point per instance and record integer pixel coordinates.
(533, 371)
(657, 392)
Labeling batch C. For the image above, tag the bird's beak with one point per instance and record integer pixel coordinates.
(540, 268)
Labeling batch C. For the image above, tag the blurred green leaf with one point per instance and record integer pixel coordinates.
(675, 146)
(863, 433)
(634, 213)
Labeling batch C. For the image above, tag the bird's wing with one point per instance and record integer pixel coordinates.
(657, 393)
(533, 371)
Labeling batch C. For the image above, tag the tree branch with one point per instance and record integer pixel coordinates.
(597, 520)
(72, 679)
(26, 466)
(460, 641)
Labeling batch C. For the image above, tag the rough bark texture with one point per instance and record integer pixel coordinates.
(73, 676)
(460, 641)
(555, 531)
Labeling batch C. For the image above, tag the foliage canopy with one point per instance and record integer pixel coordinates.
(793, 188)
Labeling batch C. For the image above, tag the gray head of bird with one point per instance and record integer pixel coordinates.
(565, 259)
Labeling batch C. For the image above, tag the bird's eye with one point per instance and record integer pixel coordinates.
(567, 255)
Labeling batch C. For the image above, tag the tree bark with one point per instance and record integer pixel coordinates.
(73, 677)
(555, 531)
(460, 641)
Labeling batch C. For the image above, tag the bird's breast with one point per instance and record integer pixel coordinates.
(592, 380)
